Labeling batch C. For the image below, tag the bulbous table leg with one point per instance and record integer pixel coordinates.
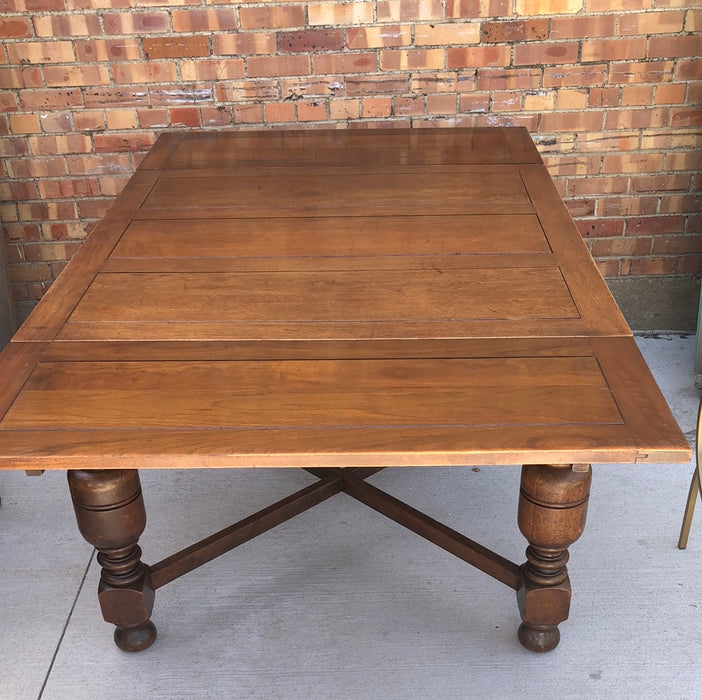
(552, 510)
(110, 511)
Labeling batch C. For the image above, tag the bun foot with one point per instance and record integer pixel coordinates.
(539, 638)
(135, 638)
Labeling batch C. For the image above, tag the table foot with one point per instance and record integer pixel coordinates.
(135, 638)
(552, 511)
(110, 512)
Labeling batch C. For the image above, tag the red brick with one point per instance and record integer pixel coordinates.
(654, 225)
(586, 27)
(184, 116)
(99, 165)
(295, 88)
(474, 102)
(58, 76)
(608, 268)
(311, 40)
(637, 118)
(620, 246)
(641, 72)
(657, 183)
(507, 101)
(478, 56)
(344, 109)
(180, 94)
(211, 20)
(575, 76)
(24, 124)
(677, 245)
(377, 84)
(244, 44)
(176, 47)
(613, 49)
(152, 118)
(339, 13)
(53, 98)
(690, 264)
(41, 52)
(139, 73)
(121, 96)
(651, 23)
(407, 10)
(636, 95)
(442, 81)
(446, 34)
(376, 107)
(546, 53)
(501, 32)
(606, 5)
(579, 187)
(247, 114)
(14, 28)
(275, 17)
(278, 112)
(686, 117)
(604, 97)
(21, 78)
(248, 90)
(108, 50)
(463, 9)
(409, 106)
(378, 37)
(263, 66)
(412, 59)
(627, 206)
(69, 188)
(212, 69)
(441, 103)
(57, 122)
(588, 120)
(649, 266)
(672, 94)
(216, 116)
(67, 25)
(135, 22)
(596, 228)
(633, 163)
(508, 78)
(312, 110)
(37, 167)
(674, 46)
(341, 63)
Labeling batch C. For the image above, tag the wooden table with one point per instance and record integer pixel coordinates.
(341, 302)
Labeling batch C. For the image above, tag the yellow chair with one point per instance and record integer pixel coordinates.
(695, 487)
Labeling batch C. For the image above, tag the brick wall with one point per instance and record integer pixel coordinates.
(611, 97)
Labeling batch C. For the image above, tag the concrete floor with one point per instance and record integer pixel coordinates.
(342, 603)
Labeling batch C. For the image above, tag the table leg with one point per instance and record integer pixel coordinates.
(111, 516)
(552, 510)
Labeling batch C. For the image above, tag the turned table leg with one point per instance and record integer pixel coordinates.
(111, 516)
(552, 510)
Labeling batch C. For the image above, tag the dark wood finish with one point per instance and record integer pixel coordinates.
(339, 301)
(110, 512)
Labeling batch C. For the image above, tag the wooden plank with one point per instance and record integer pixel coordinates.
(333, 195)
(90, 351)
(162, 151)
(325, 148)
(352, 447)
(17, 361)
(332, 394)
(596, 305)
(319, 238)
(640, 400)
(47, 318)
(311, 297)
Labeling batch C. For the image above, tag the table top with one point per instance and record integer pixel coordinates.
(332, 298)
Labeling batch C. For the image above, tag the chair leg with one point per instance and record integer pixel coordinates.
(695, 487)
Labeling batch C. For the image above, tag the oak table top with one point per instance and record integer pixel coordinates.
(332, 298)
(342, 302)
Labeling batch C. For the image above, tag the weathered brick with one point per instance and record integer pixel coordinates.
(55, 122)
(658, 183)
(409, 106)
(546, 53)
(478, 56)
(671, 94)
(674, 46)
(21, 78)
(53, 98)
(216, 116)
(176, 47)
(649, 266)
(296, 88)
(539, 100)
(641, 72)
(508, 31)
(341, 63)
(596, 228)
(184, 116)
(135, 22)
(264, 66)
(69, 188)
(341, 110)
(121, 118)
(14, 28)
(121, 95)
(508, 78)
(312, 110)
(637, 118)
(446, 34)
(181, 94)
(247, 114)
(108, 50)
(547, 7)
(585, 27)
(244, 44)
(632, 95)
(210, 20)
(37, 167)
(24, 124)
(442, 103)
(66, 25)
(376, 107)
(627, 206)
(152, 118)
(575, 76)
(277, 112)
(407, 10)
(311, 40)
(589, 120)
(579, 187)
(58, 76)
(99, 164)
(651, 23)
(677, 245)
(275, 17)
(40, 52)
(377, 84)
(412, 59)
(138, 73)
(212, 69)
(248, 90)
(691, 116)
(379, 36)
(613, 49)
(597, 141)
(621, 246)
(339, 13)
(633, 163)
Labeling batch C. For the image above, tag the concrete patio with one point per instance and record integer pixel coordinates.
(342, 603)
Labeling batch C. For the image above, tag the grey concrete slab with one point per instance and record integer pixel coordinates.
(342, 603)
